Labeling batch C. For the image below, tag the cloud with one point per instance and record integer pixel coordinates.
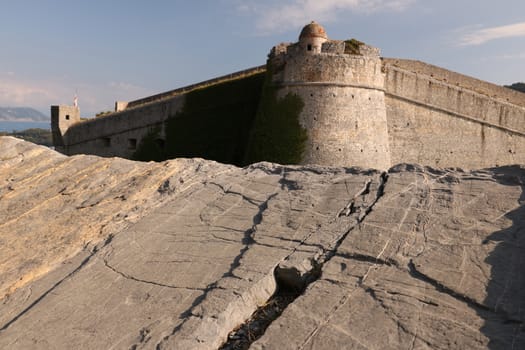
(514, 56)
(16, 93)
(287, 14)
(481, 36)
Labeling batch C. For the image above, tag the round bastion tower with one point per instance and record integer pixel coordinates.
(341, 85)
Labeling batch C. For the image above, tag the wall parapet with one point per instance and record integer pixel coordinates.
(460, 80)
(456, 114)
(454, 99)
(142, 117)
(188, 88)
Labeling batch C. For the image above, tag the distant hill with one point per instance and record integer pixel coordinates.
(22, 114)
(517, 86)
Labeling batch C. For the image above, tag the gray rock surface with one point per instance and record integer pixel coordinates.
(108, 253)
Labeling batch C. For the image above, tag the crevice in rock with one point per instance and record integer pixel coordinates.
(351, 207)
(289, 288)
(83, 263)
(248, 240)
(359, 213)
(291, 282)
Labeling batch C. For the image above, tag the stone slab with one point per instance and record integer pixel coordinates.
(413, 258)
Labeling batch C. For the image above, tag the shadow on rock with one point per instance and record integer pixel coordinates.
(504, 326)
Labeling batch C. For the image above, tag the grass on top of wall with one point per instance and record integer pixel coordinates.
(353, 46)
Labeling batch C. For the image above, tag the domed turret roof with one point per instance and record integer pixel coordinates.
(313, 30)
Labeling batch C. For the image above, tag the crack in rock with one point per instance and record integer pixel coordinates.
(358, 214)
(291, 282)
(127, 276)
(367, 258)
(248, 240)
(252, 329)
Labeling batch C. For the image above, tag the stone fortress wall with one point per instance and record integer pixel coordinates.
(358, 110)
(447, 119)
(344, 102)
(119, 134)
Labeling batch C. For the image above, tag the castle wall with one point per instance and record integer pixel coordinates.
(210, 121)
(337, 105)
(344, 110)
(434, 122)
(452, 78)
(203, 84)
(119, 134)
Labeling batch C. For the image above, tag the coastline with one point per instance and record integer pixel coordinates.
(17, 125)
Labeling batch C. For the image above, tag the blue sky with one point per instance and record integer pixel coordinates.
(109, 50)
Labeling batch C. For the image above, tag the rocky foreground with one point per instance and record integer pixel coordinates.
(99, 253)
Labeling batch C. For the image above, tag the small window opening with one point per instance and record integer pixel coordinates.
(309, 47)
(67, 116)
(106, 141)
(132, 143)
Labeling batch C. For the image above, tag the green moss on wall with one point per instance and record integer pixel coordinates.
(151, 147)
(277, 135)
(236, 122)
(215, 122)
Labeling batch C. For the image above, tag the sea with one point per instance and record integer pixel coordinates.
(11, 126)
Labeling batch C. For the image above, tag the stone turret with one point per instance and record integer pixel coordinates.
(341, 84)
(312, 38)
(62, 117)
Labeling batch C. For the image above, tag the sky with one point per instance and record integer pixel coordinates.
(109, 50)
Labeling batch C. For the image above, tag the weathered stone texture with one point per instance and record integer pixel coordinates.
(421, 135)
(180, 253)
(108, 136)
(426, 269)
(471, 84)
(359, 110)
(344, 109)
(53, 206)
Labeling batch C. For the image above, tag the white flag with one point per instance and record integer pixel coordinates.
(75, 101)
